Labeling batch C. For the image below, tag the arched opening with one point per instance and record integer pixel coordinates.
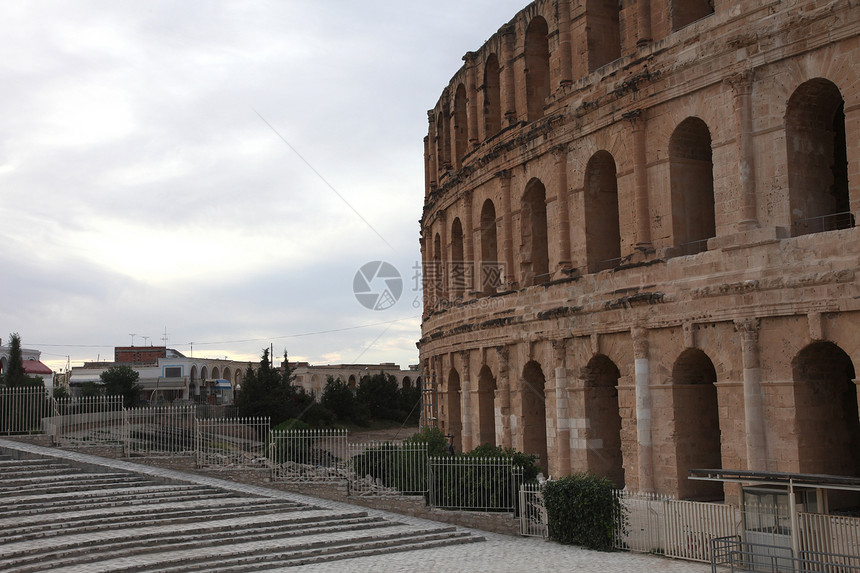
(604, 32)
(490, 271)
(486, 407)
(458, 264)
(817, 159)
(351, 383)
(461, 132)
(602, 230)
(438, 270)
(825, 399)
(407, 383)
(691, 170)
(454, 425)
(492, 97)
(443, 146)
(685, 12)
(204, 373)
(226, 374)
(604, 419)
(216, 373)
(537, 67)
(237, 377)
(534, 412)
(697, 423)
(535, 247)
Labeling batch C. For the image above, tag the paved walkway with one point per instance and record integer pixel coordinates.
(498, 554)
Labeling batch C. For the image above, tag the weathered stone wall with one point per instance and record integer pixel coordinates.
(699, 169)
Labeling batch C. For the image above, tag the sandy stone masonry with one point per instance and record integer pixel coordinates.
(639, 240)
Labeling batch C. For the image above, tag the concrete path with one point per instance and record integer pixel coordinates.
(219, 525)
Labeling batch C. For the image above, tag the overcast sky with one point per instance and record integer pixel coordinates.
(219, 171)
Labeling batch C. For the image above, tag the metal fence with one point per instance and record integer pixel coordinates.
(737, 555)
(231, 442)
(86, 421)
(476, 484)
(22, 410)
(160, 431)
(304, 456)
(829, 533)
(645, 517)
(384, 468)
(533, 517)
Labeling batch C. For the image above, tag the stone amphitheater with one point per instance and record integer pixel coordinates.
(639, 241)
(64, 511)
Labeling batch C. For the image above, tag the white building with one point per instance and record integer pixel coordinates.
(33, 365)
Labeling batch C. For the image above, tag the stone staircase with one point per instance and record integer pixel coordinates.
(56, 517)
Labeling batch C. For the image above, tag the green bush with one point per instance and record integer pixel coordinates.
(582, 510)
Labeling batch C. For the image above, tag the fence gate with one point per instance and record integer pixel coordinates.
(533, 518)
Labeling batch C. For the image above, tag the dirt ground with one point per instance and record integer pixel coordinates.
(387, 435)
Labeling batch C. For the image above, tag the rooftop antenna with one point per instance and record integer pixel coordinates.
(132, 338)
(164, 338)
(192, 349)
(145, 338)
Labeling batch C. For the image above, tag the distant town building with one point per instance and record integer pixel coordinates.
(313, 378)
(167, 375)
(32, 364)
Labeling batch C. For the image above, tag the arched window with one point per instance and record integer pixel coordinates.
(492, 97)
(537, 67)
(534, 411)
(604, 32)
(535, 248)
(602, 230)
(458, 264)
(486, 407)
(826, 403)
(461, 132)
(691, 170)
(685, 12)
(817, 159)
(697, 423)
(604, 419)
(454, 426)
(490, 271)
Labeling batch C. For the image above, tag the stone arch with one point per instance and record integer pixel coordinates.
(489, 249)
(438, 270)
(225, 374)
(458, 263)
(534, 260)
(537, 67)
(406, 383)
(817, 158)
(691, 171)
(533, 395)
(697, 423)
(601, 401)
(604, 32)
(684, 12)
(351, 382)
(486, 407)
(216, 373)
(602, 228)
(461, 132)
(825, 397)
(455, 425)
(316, 386)
(204, 373)
(443, 147)
(492, 97)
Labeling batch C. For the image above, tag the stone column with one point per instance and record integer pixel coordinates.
(562, 415)
(428, 184)
(443, 256)
(470, 268)
(642, 372)
(560, 156)
(503, 399)
(471, 101)
(433, 159)
(564, 60)
(507, 231)
(640, 177)
(741, 85)
(508, 87)
(466, 402)
(643, 17)
(756, 444)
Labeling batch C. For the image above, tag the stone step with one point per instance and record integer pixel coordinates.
(34, 471)
(134, 544)
(237, 559)
(70, 484)
(108, 499)
(64, 523)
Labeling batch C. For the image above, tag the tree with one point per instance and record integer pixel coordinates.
(15, 377)
(379, 394)
(268, 392)
(340, 401)
(122, 381)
